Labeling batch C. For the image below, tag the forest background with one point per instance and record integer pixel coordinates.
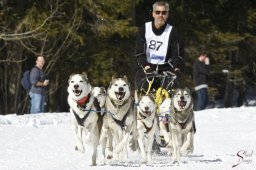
(98, 37)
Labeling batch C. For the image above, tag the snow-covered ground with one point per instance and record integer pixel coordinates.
(224, 137)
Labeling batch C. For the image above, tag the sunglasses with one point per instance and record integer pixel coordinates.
(161, 12)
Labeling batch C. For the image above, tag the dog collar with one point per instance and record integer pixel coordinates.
(83, 101)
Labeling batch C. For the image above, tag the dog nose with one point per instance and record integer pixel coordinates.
(76, 86)
(146, 108)
(121, 89)
(182, 98)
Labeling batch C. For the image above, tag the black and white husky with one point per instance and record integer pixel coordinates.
(85, 112)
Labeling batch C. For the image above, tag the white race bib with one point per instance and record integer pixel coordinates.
(157, 46)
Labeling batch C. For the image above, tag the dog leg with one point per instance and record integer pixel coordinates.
(134, 136)
(78, 137)
(103, 135)
(95, 139)
(157, 134)
(141, 145)
(110, 145)
(176, 147)
(149, 148)
(87, 137)
(125, 141)
(115, 139)
(122, 144)
(185, 147)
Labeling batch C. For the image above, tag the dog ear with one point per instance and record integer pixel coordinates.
(84, 75)
(188, 89)
(113, 77)
(151, 96)
(125, 78)
(71, 75)
(103, 90)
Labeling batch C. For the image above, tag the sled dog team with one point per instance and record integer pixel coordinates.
(111, 118)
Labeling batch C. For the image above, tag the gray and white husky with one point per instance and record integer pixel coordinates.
(85, 111)
(147, 126)
(119, 122)
(180, 122)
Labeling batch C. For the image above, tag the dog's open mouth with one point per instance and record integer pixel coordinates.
(77, 92)
(120, 95)
(147, 113)
(182, 103)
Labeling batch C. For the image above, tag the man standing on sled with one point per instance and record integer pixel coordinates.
(158, 43)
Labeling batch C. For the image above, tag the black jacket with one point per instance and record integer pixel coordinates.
(200, 73)
(175, 48)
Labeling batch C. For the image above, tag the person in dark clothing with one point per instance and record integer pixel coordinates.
(200, 74)
(158, 43)
(39, 83)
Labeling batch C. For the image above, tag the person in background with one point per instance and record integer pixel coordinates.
(158, 43)
(200, 74)
(38, 88)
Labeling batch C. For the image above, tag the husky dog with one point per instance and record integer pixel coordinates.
(100, 94)
(84, 109)
(147, 126)
(180, 123)
(119, 122)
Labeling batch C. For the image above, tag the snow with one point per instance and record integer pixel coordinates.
(224, 137)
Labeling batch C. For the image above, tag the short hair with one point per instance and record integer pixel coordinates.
(161, 3)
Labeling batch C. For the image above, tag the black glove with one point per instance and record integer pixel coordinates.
(149, 71)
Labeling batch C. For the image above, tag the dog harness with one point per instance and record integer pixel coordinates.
(148, 129)
(121, 123)
(182, 125)
(79, 120)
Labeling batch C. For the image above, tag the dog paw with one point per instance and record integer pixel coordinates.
(144, 157)
(144, 161)
(184, 151)
(175, 162)
(149, 163)
(109, 156)
(94, 164)
(80, 149)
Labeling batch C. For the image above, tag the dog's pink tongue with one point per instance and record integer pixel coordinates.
(182, 103)
(77, 91)
(120, 96)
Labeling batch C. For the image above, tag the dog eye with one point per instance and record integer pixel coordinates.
(124, 84)
(72, 81)
(115, 85)
(81, 81)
